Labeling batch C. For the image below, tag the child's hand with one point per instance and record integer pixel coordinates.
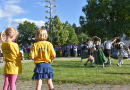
(51, 61)
(32, 58)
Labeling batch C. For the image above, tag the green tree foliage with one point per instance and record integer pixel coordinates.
(62, 32)
(78, 30)
(26, 31)
(82, 37)
(106, 18)
(65, 32)
(72, 35)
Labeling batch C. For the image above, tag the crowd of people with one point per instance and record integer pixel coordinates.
(69, 50)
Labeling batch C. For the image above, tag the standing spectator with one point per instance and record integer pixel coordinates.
(23, 49)
(55, 48)
(30, 45)
(28, 48)
(71, 49)
(25, 44)
(1, 55)
(68, 49)
(75, 50)
(79, 49)
(59, 48)
(63, 50)
(61, 53)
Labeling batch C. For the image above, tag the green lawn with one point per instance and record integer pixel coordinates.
(73, 71)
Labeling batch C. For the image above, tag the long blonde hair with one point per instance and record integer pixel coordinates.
(7, 33)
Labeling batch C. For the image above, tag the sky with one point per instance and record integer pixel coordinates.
(13, 12)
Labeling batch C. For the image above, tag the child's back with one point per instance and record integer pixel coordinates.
(42, 50)
(12, 58)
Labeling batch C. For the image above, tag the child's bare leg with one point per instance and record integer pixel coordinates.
(90, 57)
(39, 84)
(68, 54)
(91, 60)
(49, 83)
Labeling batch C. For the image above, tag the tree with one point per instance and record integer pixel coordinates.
(106, 18)
(62, 32)
(74, 25)
(82, 37)
(65, 32)
(72, 35)
(78, 30)
(27, 32)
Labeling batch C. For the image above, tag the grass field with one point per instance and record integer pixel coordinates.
(73, 71)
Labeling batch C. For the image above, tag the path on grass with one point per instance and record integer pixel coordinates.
(30, 85)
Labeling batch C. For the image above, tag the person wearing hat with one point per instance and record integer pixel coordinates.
(98, 53)
(120, 53)
(107, 50)
(89, 48)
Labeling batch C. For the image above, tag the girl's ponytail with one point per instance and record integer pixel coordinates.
(2, 36)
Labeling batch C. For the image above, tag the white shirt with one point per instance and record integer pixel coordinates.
(122, 43)
(90, 44)
(102, 45)
(109, 44)
(75, 47)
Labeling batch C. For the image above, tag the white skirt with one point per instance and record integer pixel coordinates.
(120, 53)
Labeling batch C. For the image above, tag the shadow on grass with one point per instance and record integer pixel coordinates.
(119, 73)
(73, 66)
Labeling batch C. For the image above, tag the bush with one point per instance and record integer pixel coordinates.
(26, 56)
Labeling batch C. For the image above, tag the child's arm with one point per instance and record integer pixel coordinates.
(32, 52)
(98, 38)
(32, 58)
(115, 39)
(52, 58)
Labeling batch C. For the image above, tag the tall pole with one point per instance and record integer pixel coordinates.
(51, 21)
(50, 18)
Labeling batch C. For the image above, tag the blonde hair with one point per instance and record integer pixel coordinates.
(8, 32)
(41, 34)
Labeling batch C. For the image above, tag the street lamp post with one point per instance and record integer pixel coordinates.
(50, 14)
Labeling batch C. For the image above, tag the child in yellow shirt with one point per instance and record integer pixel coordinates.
(61, 53)
(11, 52)
(42, 52)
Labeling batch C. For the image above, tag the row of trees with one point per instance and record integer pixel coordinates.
(66, 33)
(106, 18)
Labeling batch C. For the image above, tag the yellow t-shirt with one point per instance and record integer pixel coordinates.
(12, 58)
(42, 52)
